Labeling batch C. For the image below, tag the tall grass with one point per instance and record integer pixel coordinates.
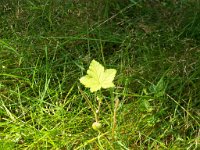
(46, 46)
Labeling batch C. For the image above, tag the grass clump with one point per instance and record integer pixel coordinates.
(47, 46)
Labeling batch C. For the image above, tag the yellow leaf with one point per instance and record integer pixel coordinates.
(97, 77)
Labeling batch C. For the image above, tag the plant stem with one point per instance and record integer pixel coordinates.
(114, 118)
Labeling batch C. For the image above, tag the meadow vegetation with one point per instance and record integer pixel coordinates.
(46, 46)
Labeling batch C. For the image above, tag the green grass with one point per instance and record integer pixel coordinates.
(46, 46)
